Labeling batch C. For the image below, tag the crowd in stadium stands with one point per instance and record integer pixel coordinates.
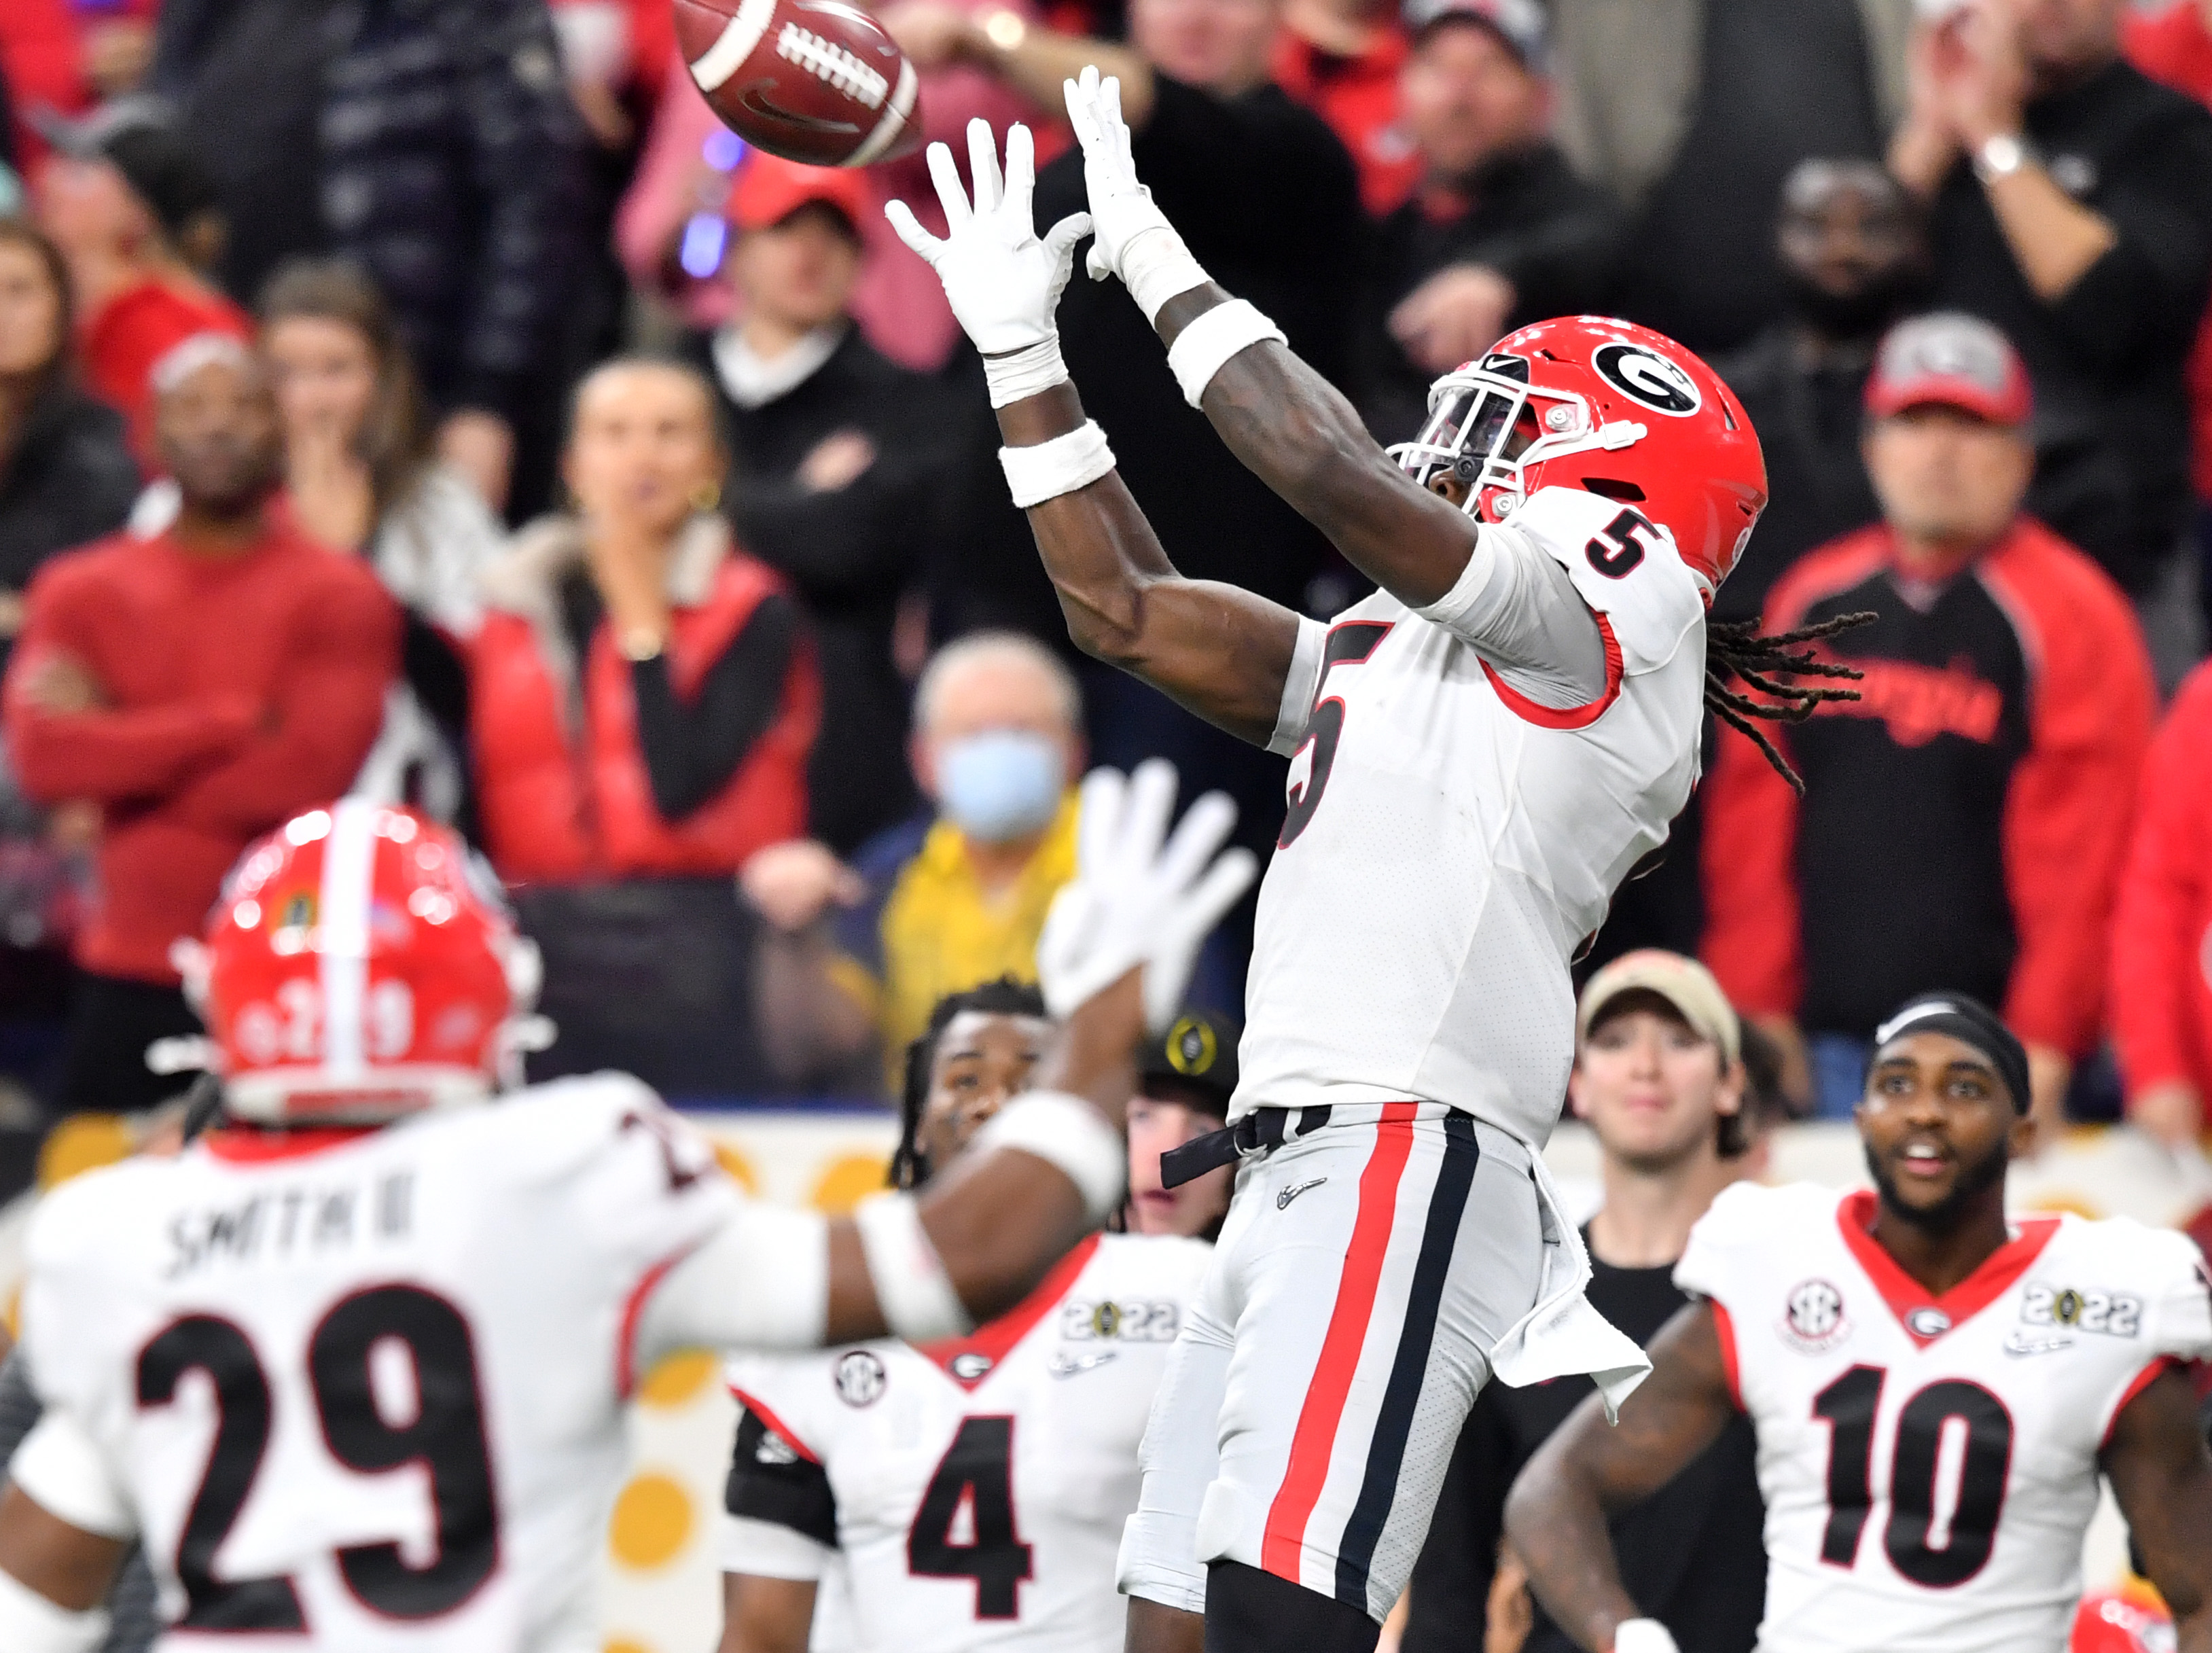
(431, 397)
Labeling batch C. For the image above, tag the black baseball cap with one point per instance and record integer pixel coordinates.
(139, 138)
(1197, 1057)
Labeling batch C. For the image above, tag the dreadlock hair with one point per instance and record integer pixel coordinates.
(1003, 997)
(1737, 648)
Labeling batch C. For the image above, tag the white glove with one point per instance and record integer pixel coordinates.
(1134, 240)
(1003, 283)
(1642, 1636)
(1140, 896)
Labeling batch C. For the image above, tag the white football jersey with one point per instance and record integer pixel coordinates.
(975, 1490)
(1929, 1465)
(367, 1393)
(1450, 843)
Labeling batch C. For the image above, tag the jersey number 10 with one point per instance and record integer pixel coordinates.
(1849, 1406)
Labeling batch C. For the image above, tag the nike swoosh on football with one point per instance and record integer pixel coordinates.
(1071, 1365)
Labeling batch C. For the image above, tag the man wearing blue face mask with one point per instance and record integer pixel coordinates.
(957, 896)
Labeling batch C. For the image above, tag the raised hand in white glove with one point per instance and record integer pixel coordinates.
(1003, 282)
(1134, 240)
(1141, 896)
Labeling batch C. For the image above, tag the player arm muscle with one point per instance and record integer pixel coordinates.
(1556, 1514)
(2162, 1476)
(1220, 652)
(70, 1567)
(766, 1615)
(1296, 433)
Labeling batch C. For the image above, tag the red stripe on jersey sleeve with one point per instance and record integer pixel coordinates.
(1574, 717)
(633, 1311)
(1724, 1328)
(2143, 1380)
(1314, 1437)
(752, 1403)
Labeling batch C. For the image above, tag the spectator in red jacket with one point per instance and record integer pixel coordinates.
(135, 216)
(1963, 822)
(642, 698)
(2162, 928)
(201, 686)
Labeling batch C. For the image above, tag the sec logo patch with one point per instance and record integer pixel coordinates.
(859, 1379)
(1813, 1317)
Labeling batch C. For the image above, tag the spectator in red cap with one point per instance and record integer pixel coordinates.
(830, 457)
(126, 200)
(1963, 824)
(1499, 232)
(2162, 929)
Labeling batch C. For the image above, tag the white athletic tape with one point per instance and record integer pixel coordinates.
(1022, 373)
(1069, 1134)
(1201, 349)
(1642, 1636)
(1156, 266)
(1061, 465)
(912, 1287)
(894, 120)
(733, 45)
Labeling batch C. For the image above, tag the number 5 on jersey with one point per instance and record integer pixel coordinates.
(1351, 644)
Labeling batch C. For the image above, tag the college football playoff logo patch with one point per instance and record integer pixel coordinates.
(1648, 378)
(859, 1379)
(1813, 1317)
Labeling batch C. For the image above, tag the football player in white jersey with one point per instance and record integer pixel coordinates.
(1936, 1390)
(1480, 753)
(352, 1366)
(973, 1489)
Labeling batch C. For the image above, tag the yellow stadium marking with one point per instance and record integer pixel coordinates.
(740, 1168)
(2052, 1203)
(676, 1380)
(849, 1180)
(81, 1142)
(623, 1644)
(652, 1522)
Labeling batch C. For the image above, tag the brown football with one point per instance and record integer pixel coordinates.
(812, 80)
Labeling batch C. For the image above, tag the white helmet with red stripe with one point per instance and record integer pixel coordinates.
(360, 966)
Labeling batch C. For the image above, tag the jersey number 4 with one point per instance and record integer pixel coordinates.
(445, 1434)
(977, 1474)
(1848, 1407)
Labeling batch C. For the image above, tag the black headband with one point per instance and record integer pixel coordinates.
(1969, 1019)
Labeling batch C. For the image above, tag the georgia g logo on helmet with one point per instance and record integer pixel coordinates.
(1648, 378)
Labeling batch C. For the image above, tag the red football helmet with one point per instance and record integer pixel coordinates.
(1607, 407)
(360, 965)
(2130, 1619)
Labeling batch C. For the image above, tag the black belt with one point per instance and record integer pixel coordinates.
(1258, 1132)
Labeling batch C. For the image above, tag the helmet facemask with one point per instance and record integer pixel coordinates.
(1488, 428)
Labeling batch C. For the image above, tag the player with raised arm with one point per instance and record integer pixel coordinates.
(967, 1494)
(1936, 1390)
(353, 1365)
(1479, 752)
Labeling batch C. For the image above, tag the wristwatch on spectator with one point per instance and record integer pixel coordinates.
(1005, 29)
(638, 644)
(2002, 156)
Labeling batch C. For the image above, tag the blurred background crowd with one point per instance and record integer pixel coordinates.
(430, 398)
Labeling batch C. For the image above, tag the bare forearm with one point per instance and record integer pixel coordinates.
(1222, 652)
(1036, 61)
(1558, 1527)
(2054, 238)
(1293, 430)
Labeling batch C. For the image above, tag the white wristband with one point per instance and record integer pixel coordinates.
(1025, 372)
(1156, 266)
(1642, 1636)
(1067, 1133)
(912, 1287)
(1202, 348)
(29, 1623)
(1061, 465)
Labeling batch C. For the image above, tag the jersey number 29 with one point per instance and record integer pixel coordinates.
(446, 1434)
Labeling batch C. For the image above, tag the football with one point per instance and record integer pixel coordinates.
(812, 80)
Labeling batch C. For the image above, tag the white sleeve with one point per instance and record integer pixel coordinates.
(2179, 1317)
(767, 1549)
(1517, 606)
(760, 1281)
(1709, 1257)
(63, 1471)
(1299, 685)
